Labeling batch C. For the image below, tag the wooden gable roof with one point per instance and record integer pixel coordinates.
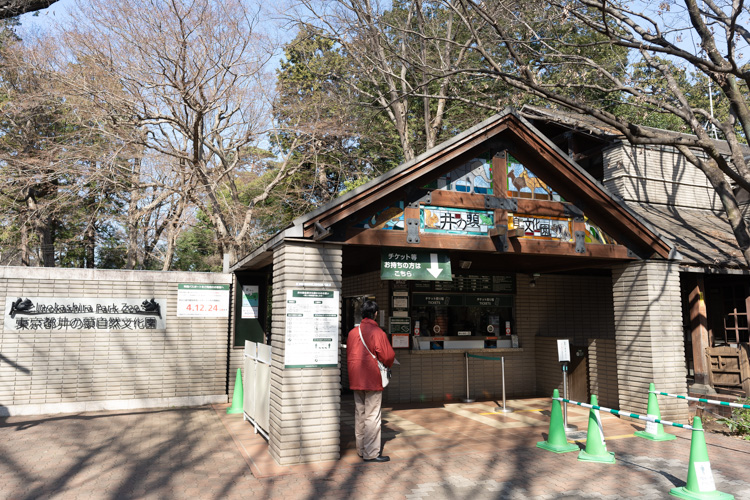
(506, 131)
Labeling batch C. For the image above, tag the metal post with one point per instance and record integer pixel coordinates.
(504, 409)
(468, 399)
(566, 426)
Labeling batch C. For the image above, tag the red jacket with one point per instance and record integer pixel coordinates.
(364, 374)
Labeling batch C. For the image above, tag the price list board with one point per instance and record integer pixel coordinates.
(312, 329)
(471, 283)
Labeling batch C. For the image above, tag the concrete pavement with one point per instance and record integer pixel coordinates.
(443, 451)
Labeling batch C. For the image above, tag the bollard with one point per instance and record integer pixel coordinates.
(504, 409)
(467, 399)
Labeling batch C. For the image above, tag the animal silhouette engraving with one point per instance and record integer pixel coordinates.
(524, 181)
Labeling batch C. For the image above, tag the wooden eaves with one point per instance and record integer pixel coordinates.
(507, 130)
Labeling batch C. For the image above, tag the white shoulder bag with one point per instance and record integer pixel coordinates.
(385, 373)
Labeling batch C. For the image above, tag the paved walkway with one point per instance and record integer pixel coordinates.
(442, 452)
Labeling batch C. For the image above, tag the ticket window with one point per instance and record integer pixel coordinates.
(472, 320)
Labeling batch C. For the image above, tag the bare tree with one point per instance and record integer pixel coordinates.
(554, 50)
(389, 47)
(57, 171)
(190, 79)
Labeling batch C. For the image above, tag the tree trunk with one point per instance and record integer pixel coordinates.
(48, 245)
(90, 246)
(24, 245)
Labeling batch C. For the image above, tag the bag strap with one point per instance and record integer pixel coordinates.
(363, 342)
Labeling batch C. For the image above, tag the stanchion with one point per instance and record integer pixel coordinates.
(504, 409)
(700, 480)
(568, 427)
(467, 399)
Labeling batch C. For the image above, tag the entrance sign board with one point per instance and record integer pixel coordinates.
(411, 265)
(312, 329)
(547, 228)
(197, 300)
(456, 221)
(84, 314)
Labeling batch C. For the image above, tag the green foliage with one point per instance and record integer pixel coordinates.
(334, 140)
(740, 422)
(196, 248)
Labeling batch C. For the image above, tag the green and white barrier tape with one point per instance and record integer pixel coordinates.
(710, 401)
(631, 415)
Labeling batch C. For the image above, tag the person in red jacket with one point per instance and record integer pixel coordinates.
(364, 380)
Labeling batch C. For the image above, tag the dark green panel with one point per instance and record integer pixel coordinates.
(251, 329)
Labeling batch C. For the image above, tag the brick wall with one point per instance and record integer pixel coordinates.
(305, 402)
(649, 338)
(51, 371)
(602, 364)
(578, 308)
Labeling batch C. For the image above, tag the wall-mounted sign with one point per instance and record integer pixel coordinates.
(452, 300)
(456, 221)
(502, 283)
(400, 300)
(250, 297)
(198, 300)
(405, 265)
(547, 228)
(312, 329)
(400, 325)
(400, 341)
(86, 314)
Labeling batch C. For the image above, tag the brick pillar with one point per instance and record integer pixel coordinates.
(305, 402)
(649, 337)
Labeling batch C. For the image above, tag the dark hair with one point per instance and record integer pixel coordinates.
(369, 308)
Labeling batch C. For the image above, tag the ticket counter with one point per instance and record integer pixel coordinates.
(468, 312)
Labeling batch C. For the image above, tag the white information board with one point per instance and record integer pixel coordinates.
(250, 297)
(196, 300)
(563, 350)
(312, 329)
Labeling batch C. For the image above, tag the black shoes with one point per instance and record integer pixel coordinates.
(381, 458)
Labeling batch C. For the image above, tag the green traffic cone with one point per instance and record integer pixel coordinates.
(556, 441)
(654, 431)
(700, 480)
(237, 396)
(596, 448)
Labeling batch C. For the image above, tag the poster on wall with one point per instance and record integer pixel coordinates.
(312, 329)
(31, 314)
(250, 297)
(198, 300)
